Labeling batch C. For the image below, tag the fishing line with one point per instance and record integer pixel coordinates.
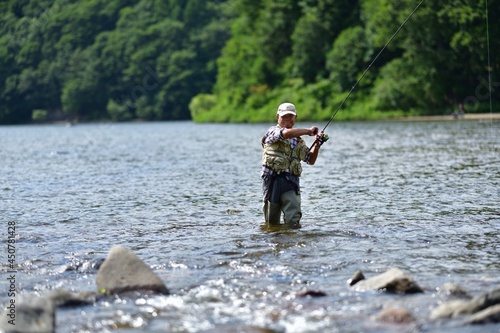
(489, 62)
(369, 66)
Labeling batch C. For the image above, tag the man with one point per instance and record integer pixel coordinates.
(284, 149)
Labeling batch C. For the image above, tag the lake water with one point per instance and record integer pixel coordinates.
(419, 196)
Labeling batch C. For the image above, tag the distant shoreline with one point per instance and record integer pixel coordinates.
(448, 117)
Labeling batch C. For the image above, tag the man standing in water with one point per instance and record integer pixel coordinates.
(284, 149)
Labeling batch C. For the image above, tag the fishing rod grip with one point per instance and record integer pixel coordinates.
(324, 138)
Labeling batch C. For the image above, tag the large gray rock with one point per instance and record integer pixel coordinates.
(461, 307)
(29, 314)
(393, 281)
(123, 271)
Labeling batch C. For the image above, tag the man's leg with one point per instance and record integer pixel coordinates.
(291, 209)
(272, 213)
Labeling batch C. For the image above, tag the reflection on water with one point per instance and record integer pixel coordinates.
(422, 197)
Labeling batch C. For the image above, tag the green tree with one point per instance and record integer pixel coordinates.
(119, 59)
(428, 73)
(347, 58)
(320, 24)
(309, 48)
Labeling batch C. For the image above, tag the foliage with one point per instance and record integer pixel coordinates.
(118, 59)
(326, 46)
(39, 115)
(236, 60)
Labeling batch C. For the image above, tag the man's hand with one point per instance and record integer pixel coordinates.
(313, 131)
(321, 138)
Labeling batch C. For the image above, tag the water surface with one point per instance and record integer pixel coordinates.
(422, 197)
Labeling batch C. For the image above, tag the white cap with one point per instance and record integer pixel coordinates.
(286, 108)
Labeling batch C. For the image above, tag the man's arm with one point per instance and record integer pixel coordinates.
(314, 153)
(320, 139)
(296, 132)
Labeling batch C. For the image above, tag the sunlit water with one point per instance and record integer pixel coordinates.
(422, 197)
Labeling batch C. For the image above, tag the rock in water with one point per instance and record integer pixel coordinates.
(123, 271)
(486, 316)
(358, 276)
(479, 303)
(452, 290)
(449, 309)
(64, 298)
(392, 281)
(32, 314)
(311, 293)
(395, 316)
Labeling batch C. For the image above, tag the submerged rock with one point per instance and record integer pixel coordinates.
(63, 298)
(231, 328)
(393, 281)
(395, 316)
(84, 266)
(123, 271)
(32, 314)
(453, 290)
(311, 293)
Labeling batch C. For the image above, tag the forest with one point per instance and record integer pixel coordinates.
(237, 60)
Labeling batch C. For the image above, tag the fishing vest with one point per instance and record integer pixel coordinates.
(279, 156)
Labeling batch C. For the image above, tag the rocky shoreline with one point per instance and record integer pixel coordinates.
(124, 274)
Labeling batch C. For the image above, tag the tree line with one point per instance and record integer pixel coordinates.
(236, 60)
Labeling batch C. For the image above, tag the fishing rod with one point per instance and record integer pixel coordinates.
(325, 137)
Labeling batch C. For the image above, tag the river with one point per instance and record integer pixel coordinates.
(419, 196)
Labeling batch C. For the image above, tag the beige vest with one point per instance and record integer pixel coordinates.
(279, 156)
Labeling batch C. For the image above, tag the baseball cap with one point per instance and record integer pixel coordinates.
(286, 108)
